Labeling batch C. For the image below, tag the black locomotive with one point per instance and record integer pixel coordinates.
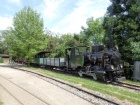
(100, 63)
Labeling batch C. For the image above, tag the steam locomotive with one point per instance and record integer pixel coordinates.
(100, 63)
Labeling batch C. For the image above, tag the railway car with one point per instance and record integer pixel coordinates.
(55, 63)
(39, 58)
(100, 63)
(42, 59)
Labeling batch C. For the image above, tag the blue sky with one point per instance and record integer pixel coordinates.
(60, 16)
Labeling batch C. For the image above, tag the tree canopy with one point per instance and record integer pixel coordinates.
(28, 37)
(58, 44)
(122, 24)
(94, 32)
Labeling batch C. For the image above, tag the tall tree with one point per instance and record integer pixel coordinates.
(65, 41)
(28, 33)
(135, 46)
(122, 24)
(6, 40)
(94, 32)
(1, 42)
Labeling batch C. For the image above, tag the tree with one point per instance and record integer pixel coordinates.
(64, 41)
(135, 46)
(1, 43)
(94, 32)
(52, 40)
(122, 24)
(28, 33)
(6, 41)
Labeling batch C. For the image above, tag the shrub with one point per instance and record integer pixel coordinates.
(1, 60)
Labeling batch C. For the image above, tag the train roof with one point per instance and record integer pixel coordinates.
(75, 47)
(98, 45)
(42, 52)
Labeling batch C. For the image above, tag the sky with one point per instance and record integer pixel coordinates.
(60, 16)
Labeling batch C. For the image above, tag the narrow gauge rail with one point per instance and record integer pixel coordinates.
(52, 80)
(73, 73)
(21, 89)
(127, 85)
(11, 95)
(118, 83)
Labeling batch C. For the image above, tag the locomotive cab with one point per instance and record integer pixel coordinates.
(75, 57)
(97, 48)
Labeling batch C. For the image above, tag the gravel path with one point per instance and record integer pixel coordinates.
(20, 88)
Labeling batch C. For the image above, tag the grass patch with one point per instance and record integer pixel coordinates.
(121, 94)
(1, 60)
(1, 103)
(132, 82)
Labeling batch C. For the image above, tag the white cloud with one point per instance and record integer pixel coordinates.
(59, 20)
(16, 2)
(5, 22)
(72, 23)
(50, 8)
(75, 19)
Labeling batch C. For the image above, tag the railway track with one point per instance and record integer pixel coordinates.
(80, 92)
(127, 85)
(28, 92)
(12, 95)
(121, 84)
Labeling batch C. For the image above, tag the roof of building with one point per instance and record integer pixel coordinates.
(4, 55)
(42, 52)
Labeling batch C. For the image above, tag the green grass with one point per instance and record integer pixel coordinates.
(132, 82)
(1, 60)
(121, 94)
(1, 103)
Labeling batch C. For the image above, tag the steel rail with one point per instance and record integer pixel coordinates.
(23, 90)
(130, 86)
(11, 94)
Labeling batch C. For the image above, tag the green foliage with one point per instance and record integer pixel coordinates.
(122, 24)
(1, 48)
(94, 32)
(27, 34)
(59, 44)
(135, 47)
(8, 41)
(52, 42)
(3, 43)
(1, 60)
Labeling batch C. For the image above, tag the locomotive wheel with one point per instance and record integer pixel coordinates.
(110, 77)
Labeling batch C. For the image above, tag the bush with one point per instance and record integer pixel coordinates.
(1, 60)
(135, 46)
